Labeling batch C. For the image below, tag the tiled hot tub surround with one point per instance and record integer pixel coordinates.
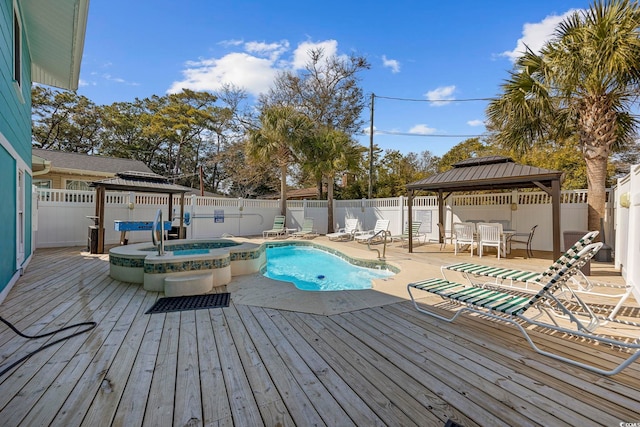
(221, 253)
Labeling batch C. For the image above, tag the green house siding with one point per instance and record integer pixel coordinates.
(15, 146)
(8, 217)
(15, 110)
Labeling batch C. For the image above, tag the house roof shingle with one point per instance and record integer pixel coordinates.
(83, 162)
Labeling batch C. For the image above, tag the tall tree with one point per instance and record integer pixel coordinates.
(65, 121)
(327, 154)
(584, 81)
(283, 131)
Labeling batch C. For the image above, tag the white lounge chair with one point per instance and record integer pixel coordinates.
(351, 227)
(277, 229)
(307, 231)
(378, 233)
(517, 309)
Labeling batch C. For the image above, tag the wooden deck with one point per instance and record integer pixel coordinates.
(249, 366)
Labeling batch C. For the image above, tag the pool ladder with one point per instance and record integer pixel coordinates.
(154, 230)
(384, 234)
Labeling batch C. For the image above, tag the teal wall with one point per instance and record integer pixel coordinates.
(15, 144)
(8, 218)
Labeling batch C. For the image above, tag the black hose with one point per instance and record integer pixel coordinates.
(90, 325)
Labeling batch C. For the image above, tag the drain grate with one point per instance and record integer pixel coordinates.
(192, 302)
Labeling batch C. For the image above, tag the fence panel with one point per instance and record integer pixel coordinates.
(62, 214)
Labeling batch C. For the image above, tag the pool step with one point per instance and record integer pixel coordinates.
(193, 284)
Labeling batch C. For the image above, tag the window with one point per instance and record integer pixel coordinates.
(44, 184)
(17, 49)
(78, 185)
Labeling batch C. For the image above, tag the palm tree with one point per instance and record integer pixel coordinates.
(584, 81)
(284, 130)
(330, 152)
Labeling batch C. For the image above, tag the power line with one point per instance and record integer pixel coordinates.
(393, 98)
(435, 135)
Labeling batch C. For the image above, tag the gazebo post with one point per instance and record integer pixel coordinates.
(441, 218)
(182, 217)
(100, 201)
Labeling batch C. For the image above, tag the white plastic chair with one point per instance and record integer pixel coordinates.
(463, 235)
(490, 234)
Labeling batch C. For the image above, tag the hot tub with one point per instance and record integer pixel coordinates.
(215, 260)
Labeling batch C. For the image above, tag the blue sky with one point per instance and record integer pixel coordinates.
(420, 50)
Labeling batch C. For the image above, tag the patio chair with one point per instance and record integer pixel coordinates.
(524, 239)
(415, 226)
(277, 229)
(378, 233)
(307, 231)
(443, 236)
(351, 227)
(530, 280)
(524, 311)
(463, 234)
(490, 234)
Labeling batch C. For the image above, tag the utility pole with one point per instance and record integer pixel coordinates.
(373, 95)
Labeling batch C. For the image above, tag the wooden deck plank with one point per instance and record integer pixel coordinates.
(324, 402)
(82, 379)
(242, 365)
(244, 409)
(133, 403)
(505, 340)
(188, 401)
(270, 403)
(298, 403)
(215, 405)
(104, 405)
(463, 396)
(385, 398)
(340, 389)
(160, 403)
(45, 366)
(456, 365)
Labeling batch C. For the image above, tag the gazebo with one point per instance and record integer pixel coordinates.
(142, 182)
(490, 173)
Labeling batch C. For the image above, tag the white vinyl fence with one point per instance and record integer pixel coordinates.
(627, 242)
(63, 216)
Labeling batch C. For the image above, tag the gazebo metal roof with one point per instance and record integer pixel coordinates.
(141, 182)
(491, 173)
(487, 173)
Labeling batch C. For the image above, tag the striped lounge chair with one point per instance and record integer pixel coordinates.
(522, 310)
(530, 280)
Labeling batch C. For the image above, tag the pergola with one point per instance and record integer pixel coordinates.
(142, 182)
(490, 173)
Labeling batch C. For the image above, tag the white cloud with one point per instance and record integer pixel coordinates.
(253, 69)
(422, 129)
(535, 35)
(441, 96)
(391, 63)
(475, 122)
(243, 70)
(301, 54)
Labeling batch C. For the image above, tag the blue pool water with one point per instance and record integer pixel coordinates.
(312, 269)
(195, 251)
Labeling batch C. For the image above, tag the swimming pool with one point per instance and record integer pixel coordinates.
(313, 269)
